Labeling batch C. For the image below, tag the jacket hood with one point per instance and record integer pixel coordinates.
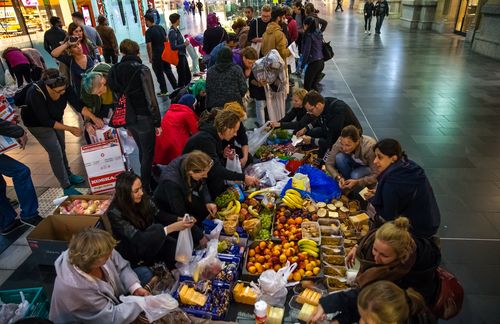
(273, 27)
(179, 108)
(405, 172)
(210, 129)
(173, 172)
(68, 274)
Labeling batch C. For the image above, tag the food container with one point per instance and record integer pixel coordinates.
(333, 250)
(332, 240)
(334, 259)
(216, 306)
(331, 229)
(311, 230)
(333, 270)
(336, 283)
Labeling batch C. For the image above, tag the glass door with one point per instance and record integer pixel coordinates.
(466, 16)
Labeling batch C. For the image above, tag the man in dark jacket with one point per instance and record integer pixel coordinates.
(109, 42)
(381, 11)
(54, 36)
(258, 26)
(133, 79)
(333, 115)
(177, 43)
(153, 12)
(21, 177)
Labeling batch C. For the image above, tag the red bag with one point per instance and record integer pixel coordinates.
(450, 295)
(169, 55)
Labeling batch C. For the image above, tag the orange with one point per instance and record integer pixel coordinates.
(259, 267)
(297, 276)
(277, 267)
(308, 274)
(261, 259)
(301, 271)
(262, 245)
(283, 258)
(309, 267)
(291, 221)
(276, 252)
(316, 270)
(252, 269)
(251, 252)
(298, 220)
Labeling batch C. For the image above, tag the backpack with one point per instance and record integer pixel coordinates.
(20, 95)
(450, 295)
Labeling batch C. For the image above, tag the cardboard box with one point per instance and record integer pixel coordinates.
(103, 216)
(103, 162)
(7, 113)
(52, 235)
(7, 144)
(104, 134)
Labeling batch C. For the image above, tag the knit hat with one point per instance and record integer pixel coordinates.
(212, 20)
(187, 100)
(197, 87)
(225, 56)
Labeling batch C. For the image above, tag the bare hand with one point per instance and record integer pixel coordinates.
(23, 140)
(349, 184)
(301, 132)
(350, 259)
(319, 315)
(180, 225)
(251, 181)
(158, 131)
(306, 139)
(141, 292)
(98, 122)
(75, 131)
(186, 43)
(212, 209)
(275, 124)
(229, 153)
(90, 129)
(369, 194)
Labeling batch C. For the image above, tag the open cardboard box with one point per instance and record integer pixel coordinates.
(52, 235)
(104, 216)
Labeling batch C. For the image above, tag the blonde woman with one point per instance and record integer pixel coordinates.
(384, 302)
(239, 143)
(388, 253)
(91, 276)
(297, 117)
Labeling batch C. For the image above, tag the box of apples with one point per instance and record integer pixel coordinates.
(86, 205)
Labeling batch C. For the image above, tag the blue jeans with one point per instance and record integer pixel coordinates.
(350, 169)
(144, 273)
(26, 194)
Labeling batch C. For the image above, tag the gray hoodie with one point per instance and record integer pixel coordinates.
(80, 298)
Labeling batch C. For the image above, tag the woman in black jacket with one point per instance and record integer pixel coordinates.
(209, 140)
(312, 51)
(403, 190)
(214, 34)
(388, 253)
(144, 234)
(297, 117)
(368, 12)
(143, 116)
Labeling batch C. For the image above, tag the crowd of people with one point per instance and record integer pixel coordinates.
(183, 156)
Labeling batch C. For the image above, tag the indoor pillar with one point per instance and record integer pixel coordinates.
(418, 14)
(486, 40)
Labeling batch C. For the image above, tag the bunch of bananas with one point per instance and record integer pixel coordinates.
(232, 208)
(293, 199)
(309, 246)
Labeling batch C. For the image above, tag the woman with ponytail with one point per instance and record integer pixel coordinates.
(390, 253)
(403, 190)
(384, 302)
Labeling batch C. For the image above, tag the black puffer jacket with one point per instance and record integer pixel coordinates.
(131, 74)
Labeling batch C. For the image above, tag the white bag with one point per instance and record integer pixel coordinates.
(9, 79)
(155, 307)
(234, 165)
(184, 248)
(272, 285)
(215, 233)
(257, 137)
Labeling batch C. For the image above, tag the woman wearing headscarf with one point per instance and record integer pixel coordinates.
(197, 89)
(214, 35)
(225, 81)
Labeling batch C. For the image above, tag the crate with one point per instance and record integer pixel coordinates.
(39, 303)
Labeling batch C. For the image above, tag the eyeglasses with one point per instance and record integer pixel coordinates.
(56, 82)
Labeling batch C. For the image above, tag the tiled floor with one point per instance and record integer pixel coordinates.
(442, 101)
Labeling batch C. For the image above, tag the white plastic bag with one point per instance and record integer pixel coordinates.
(9, 79)
(272, 285)
(234, 165)
(184, 248)
(155, 307)
(210, 266)
(215, 233)
(257, 137)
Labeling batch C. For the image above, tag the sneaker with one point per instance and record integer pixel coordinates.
(12, 227)
(365, 31)
(75, 179)
(70, 191)
(32, 221)
(369, 32)
(162, 94)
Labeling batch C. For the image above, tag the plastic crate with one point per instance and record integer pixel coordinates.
(39, 303)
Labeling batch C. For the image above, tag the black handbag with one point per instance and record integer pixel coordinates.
(327, 51)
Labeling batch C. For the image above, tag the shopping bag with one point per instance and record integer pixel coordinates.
(234, 165)
(272, 285)
(184, 248)
(155, 307)
(215, 233)
(257, 137)
(169, 55)
(450, 295)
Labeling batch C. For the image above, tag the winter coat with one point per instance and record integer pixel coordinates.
(312, 47)
(178, 124)
(293, 32)
(320, 22)
(296, 119)
(274, 38)
(108, 37)
(141, 97)
(368, 9)
(421, 277)
(212, 37)
(79, 298)
(381, 8)
(53, 38)
(404, 190)
(335, 116)
(225, 83)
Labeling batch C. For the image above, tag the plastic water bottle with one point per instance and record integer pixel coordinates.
(260, 312)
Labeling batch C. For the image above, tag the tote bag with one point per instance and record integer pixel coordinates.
(169, 55)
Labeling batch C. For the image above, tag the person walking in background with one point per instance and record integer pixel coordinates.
(37, 62)
(381, 11)
(192, 7)
(90, 31)
(186, 7)
(23, 185)
(143, 115)
(339, 6)
(54, 35)
(368, 13)
(155, 42)
(109, 42)
(179, 44)
(199, 5)
(312, 49)
(18, 65)
(152, 11)
(311, 11)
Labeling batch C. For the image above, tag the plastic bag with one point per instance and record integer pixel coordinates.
(155, 307)
(301, 181)
(184, 248)
(272, 285)
(210, 266)
(257, 137)
(323, 187)
(215, 233)
(233, 165)
(11, 313)
(258, 171)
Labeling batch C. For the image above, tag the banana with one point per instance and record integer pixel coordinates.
(309, 248)
(252, 211)
(230, 205)
(258, 192)
(295, 199)
(312, 253)
(238, 207)
(289, 202)
(294, 192)
(304, 240)
(228, 211)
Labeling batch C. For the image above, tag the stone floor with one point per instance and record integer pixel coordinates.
(431, 92)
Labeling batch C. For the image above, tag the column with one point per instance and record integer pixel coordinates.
(446, 16)
(418, 14)
(486, 40)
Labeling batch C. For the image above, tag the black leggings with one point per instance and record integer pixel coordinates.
(22, 71)
(368, 22)
(144, 134)
(313, 75)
